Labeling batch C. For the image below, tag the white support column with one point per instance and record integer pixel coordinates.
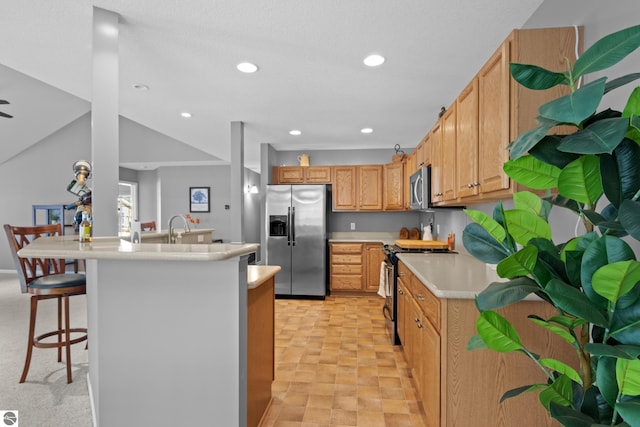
(237, 182)
(104, 123)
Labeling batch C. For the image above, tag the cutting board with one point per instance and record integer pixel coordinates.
(421, 244)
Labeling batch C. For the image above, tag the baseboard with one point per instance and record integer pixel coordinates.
(12, 271)
(93, 407)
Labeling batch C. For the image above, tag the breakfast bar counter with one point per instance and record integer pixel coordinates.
(168, 328)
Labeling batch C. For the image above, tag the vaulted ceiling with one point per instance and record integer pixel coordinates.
(310, 55)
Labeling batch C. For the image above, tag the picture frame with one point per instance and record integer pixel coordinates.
(199, 200)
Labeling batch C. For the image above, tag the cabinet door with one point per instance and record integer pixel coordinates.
(290, 174)
(317, 175)
(393, 187)
(430, 372)
(420, 155)
(344, 188)
(449, 154)
(370, 186)
(401, 299)
(493, 121)
(467, 141)
(436, 163)
(374, 258)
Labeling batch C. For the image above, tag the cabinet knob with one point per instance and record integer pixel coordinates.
(476, 184)
(400, 291)
(417, 319)
(469, 185)
(420, 297)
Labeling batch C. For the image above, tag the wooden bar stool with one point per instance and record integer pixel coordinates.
(46, 279)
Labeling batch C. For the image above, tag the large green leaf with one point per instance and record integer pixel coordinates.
(562, 368)
(489, 224)
(569, 417)
(561, 332)
(625, 326)
(612, 281)
(563, 202)
(617, 351)
(480, 244)
(633, 104)
(576, 106)
(572, 301)
(628, 376)
(497, 332)
(630, 411)
(620, 81)
(524, 226)
(549, 260)
(536, 78)
(527, 140)
(580, 180)
(547, 151)
(602, 136)
(602, 251)
(501, 294)
(527, 201)
(498, 216)
(607, 51)
(476, 343)
(559, 392)
(521, 263)
(629, 215)
(519, 390)
(621, 172)
(606, 379)
(532, 173)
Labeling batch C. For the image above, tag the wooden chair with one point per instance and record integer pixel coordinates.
(148, 226)
(46, 279)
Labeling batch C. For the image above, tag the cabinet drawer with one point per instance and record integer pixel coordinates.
(346, 248)
(428, 302)
(346, 259)
(346, 269)
(353, 282)
(405, 275)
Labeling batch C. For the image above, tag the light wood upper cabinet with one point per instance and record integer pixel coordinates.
(370, 186)
(467, 141)
(493, 119)
(436, 163)
(302, 175)
(344, 188)
(449, 140)
(393, 187)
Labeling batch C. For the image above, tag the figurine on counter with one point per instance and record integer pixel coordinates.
(78, 187)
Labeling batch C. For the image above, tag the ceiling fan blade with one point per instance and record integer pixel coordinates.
(2, 101)
(5, 115)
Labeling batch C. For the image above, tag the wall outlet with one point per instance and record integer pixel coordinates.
(353, 226)
(438, 229)
(200, 238)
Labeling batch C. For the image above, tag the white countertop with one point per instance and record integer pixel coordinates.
(457, 276)
(258, 274)
(115, 248)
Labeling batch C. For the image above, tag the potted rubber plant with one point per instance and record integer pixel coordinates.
(592, 280)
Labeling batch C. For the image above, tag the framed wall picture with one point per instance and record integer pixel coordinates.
(199, 199)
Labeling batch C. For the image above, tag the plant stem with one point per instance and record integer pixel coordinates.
(585, 358)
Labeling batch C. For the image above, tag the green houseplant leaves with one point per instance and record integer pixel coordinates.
(592, 280)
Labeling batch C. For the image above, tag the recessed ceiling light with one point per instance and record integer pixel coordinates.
(247, 67)
(140, 86)
(374, 60)
(366, 130)
(295, 132)
(186, 115)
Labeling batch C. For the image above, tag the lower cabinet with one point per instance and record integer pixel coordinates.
(459, 387)
(355, 267)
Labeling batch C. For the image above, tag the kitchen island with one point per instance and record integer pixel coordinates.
(436, 319)
(168, 326)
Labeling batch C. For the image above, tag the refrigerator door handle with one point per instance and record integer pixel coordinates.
(289, 226)
(293, 226)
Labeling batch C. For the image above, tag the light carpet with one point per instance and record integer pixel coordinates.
(45, 399)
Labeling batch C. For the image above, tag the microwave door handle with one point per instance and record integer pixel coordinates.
(416, 192)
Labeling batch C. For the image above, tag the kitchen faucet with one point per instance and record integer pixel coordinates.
(186, 226)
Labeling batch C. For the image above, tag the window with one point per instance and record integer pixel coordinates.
(127, 205)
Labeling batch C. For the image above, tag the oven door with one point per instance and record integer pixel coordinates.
(390, 310)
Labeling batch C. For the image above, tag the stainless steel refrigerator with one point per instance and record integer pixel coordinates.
(296, 238)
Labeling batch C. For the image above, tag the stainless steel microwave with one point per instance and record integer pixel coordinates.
(420, 183)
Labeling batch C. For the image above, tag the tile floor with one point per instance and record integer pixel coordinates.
(335, 366)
